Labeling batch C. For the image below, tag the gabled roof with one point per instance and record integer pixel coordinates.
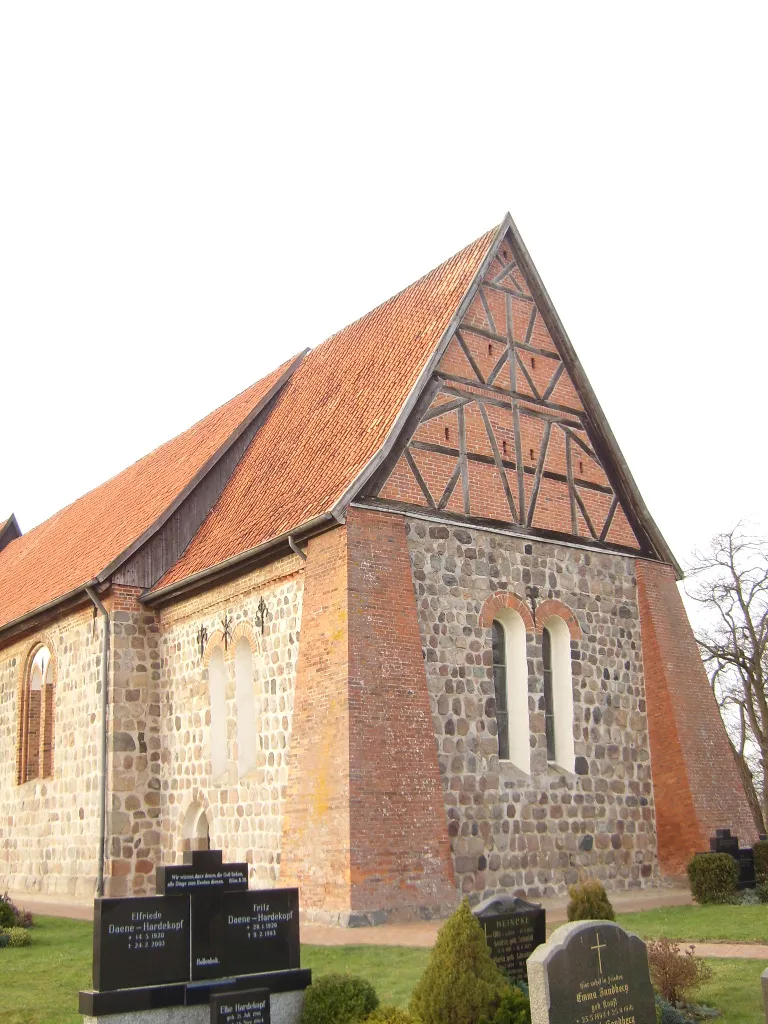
(341, 414)
(76, 545)
(333, 419)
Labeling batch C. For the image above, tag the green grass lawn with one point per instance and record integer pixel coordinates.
(39, 984)
(702, 924)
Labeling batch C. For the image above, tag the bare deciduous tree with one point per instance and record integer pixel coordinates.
(731, 584)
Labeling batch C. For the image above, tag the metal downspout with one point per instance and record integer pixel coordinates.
(102, 740)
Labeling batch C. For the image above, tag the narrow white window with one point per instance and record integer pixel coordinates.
(558, 693)
(217, 684)
(245, 704)
(510, 681)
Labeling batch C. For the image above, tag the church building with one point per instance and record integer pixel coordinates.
(393, 625)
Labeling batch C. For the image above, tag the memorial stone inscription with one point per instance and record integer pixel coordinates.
(202, 871)
(140, 941)
(245, 933)
(591, 972)
(246, 1007)
(513, 929)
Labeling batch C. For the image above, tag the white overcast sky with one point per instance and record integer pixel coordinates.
(190, 193)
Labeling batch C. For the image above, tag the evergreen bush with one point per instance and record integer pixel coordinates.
(666, 1013)
(4, 940)
(760, 851)
(514, 1008)
(460, 983)
(18, 937)
(589, 902)
(391, 1015)
(338, 999)
(713, 877)
(761, 891)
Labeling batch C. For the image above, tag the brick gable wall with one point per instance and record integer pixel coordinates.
(696, 782)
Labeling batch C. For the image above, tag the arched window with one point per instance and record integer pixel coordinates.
(510, 683)
(247, 726)
(217, 684)
(37, 718)
(558, 692)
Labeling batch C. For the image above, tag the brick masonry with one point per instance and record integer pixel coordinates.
(696, 781)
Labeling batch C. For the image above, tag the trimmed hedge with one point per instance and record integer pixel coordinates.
(713, 877)
(760, 850)
(338, 999)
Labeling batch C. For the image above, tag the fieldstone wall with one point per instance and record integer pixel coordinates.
(244, 814)
(49, 826)
(536, 834)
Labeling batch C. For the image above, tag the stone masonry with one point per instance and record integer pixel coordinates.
(537, 833)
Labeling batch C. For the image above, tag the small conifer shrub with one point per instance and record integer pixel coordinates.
(4, 940)
(514, 1008)
(589, 902)
(338, 999)
(713, 877)
(391, 1015)
(460, 983)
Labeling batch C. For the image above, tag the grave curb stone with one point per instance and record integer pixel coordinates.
(764, 983)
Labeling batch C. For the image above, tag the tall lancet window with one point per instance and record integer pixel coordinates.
(558, 693)
(510, 683)
(500, 688)
(217, 684)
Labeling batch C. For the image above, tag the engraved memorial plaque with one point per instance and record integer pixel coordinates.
(244, 932)
(141, 940)
(513, 929)
(249, 1006)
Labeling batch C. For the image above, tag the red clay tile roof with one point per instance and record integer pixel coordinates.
(72, 547)
(331, 418)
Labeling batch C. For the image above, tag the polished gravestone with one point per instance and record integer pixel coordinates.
(591, 972)
(205, 934)
(141, 941)
(245, 933)
(250, 1006)
(513, 929)
(724, 842)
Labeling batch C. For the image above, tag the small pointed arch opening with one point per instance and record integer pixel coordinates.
(195, 833)
(217, 686)
(246, 708)
(558, 692)
(510, 684)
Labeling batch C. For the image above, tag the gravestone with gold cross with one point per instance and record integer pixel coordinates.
(591, 972)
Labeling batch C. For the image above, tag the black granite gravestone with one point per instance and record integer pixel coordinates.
(724, 842)
(140, 941)
(513, 929)
(250, 1006)
(590, 972)
(202, 871)
(244, 932)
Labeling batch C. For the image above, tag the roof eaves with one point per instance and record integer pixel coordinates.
(341, 503)
(625, 481)
(115, 564)
(7, 629)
